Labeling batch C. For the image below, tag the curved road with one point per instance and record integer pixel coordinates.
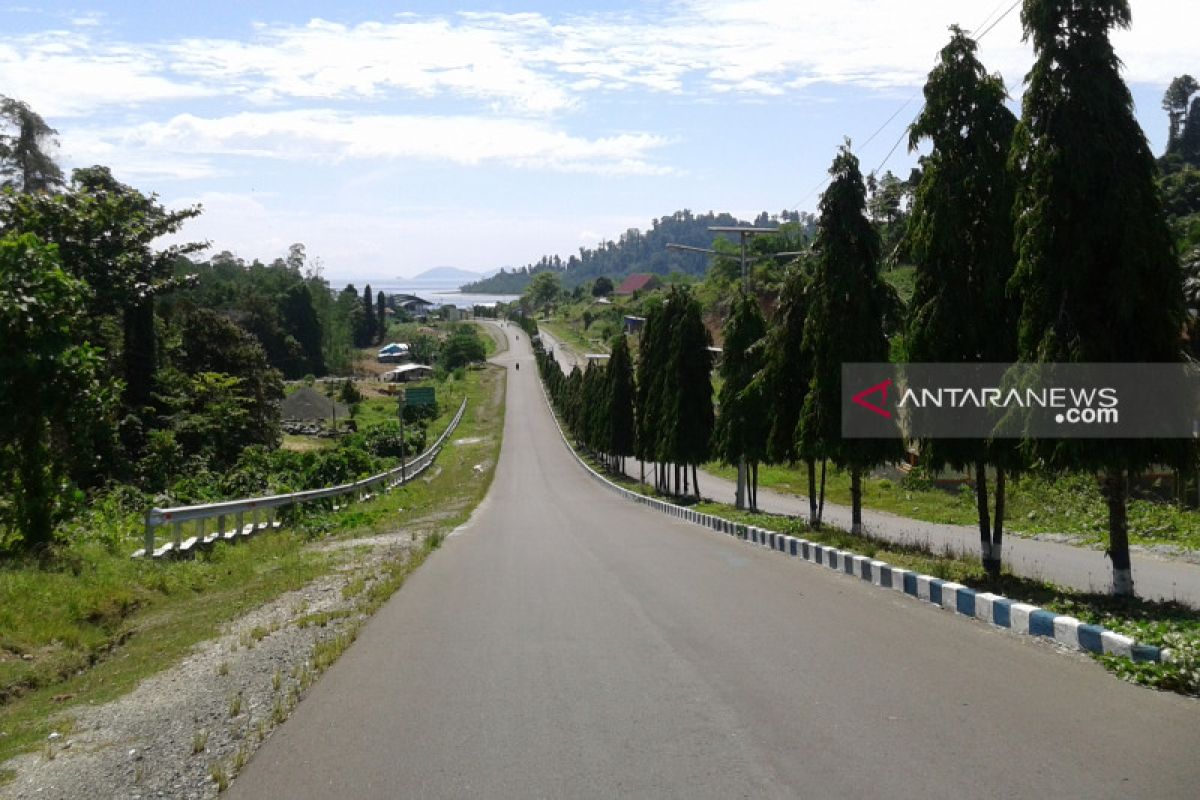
(567, 643)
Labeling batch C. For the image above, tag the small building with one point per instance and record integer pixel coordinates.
(641, 282)
(394, 353)
(412, 304)
(408, 372)
(634, 324)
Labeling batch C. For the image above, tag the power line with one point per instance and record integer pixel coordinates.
(988, 18)
(903, 133)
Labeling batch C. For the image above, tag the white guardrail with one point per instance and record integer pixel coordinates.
(178, 516)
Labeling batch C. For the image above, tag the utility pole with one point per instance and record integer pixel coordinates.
(744, 233)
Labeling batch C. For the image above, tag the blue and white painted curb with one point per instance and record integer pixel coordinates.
(954, 597)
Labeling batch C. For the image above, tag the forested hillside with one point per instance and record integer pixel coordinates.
(636, 251)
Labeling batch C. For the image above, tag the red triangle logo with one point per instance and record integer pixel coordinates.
(882, 389)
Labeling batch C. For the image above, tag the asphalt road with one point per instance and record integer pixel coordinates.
(567, 643)
(1067, 565)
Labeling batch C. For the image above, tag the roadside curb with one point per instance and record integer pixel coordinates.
(995, 609)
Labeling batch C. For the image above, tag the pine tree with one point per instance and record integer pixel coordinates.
(621, 394)
(848, 308)
(1097, 271)
(784, 382)
(369, 326)
(24, 163)
(1189, 139)
(651, 373)
(741, 427)
(381, 317)
(302, 323)
(960, 238)
(689, 420)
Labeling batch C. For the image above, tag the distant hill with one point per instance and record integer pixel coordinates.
(445, 276)
(635, 251)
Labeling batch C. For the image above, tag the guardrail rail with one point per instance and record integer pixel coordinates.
(262, 510)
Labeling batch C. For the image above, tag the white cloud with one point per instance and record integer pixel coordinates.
(63, 74)
(329, 60)
(190, 142)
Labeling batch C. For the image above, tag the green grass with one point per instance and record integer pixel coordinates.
(902, 279)
(378, 410)
(89, 627)
(572, 334)
(1035, 504)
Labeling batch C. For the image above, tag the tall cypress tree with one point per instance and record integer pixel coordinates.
(1097, 271)
(381, 317)
(689, 424)
(960, 238)
(24, 163)
(651, 370)
(620, 402)
(785, 381)
(845, 324)
(742, 425)
(1189, 140)
(369, 324)
(302, 323)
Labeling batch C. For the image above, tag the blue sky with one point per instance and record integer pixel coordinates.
(390, 138)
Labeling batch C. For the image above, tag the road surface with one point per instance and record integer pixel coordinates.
(567, 643)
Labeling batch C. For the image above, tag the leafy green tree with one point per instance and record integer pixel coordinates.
(24, 163)
(602, 286)
(1175, 103)
(462, 347)
(226, 396)
(1097, 271)
(741, 427)
(106, 234)
(1189, 140)
(960, 238)
(886, 205)
(848, 308)
(50, 383)
(302, 323)
(544, 291)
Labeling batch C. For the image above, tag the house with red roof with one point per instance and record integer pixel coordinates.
(638, 283)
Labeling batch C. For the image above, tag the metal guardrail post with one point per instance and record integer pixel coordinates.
(178, 534)
(149, 537)
(240, 523)
(221, 526)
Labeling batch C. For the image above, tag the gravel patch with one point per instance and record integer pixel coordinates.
(211, 710)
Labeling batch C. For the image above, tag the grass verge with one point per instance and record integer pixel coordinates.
(1063, 504)
(91, 625)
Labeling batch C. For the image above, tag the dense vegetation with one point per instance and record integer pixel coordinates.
(635, 251)
(132, 371)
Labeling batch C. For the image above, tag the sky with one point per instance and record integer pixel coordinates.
(390, 138)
